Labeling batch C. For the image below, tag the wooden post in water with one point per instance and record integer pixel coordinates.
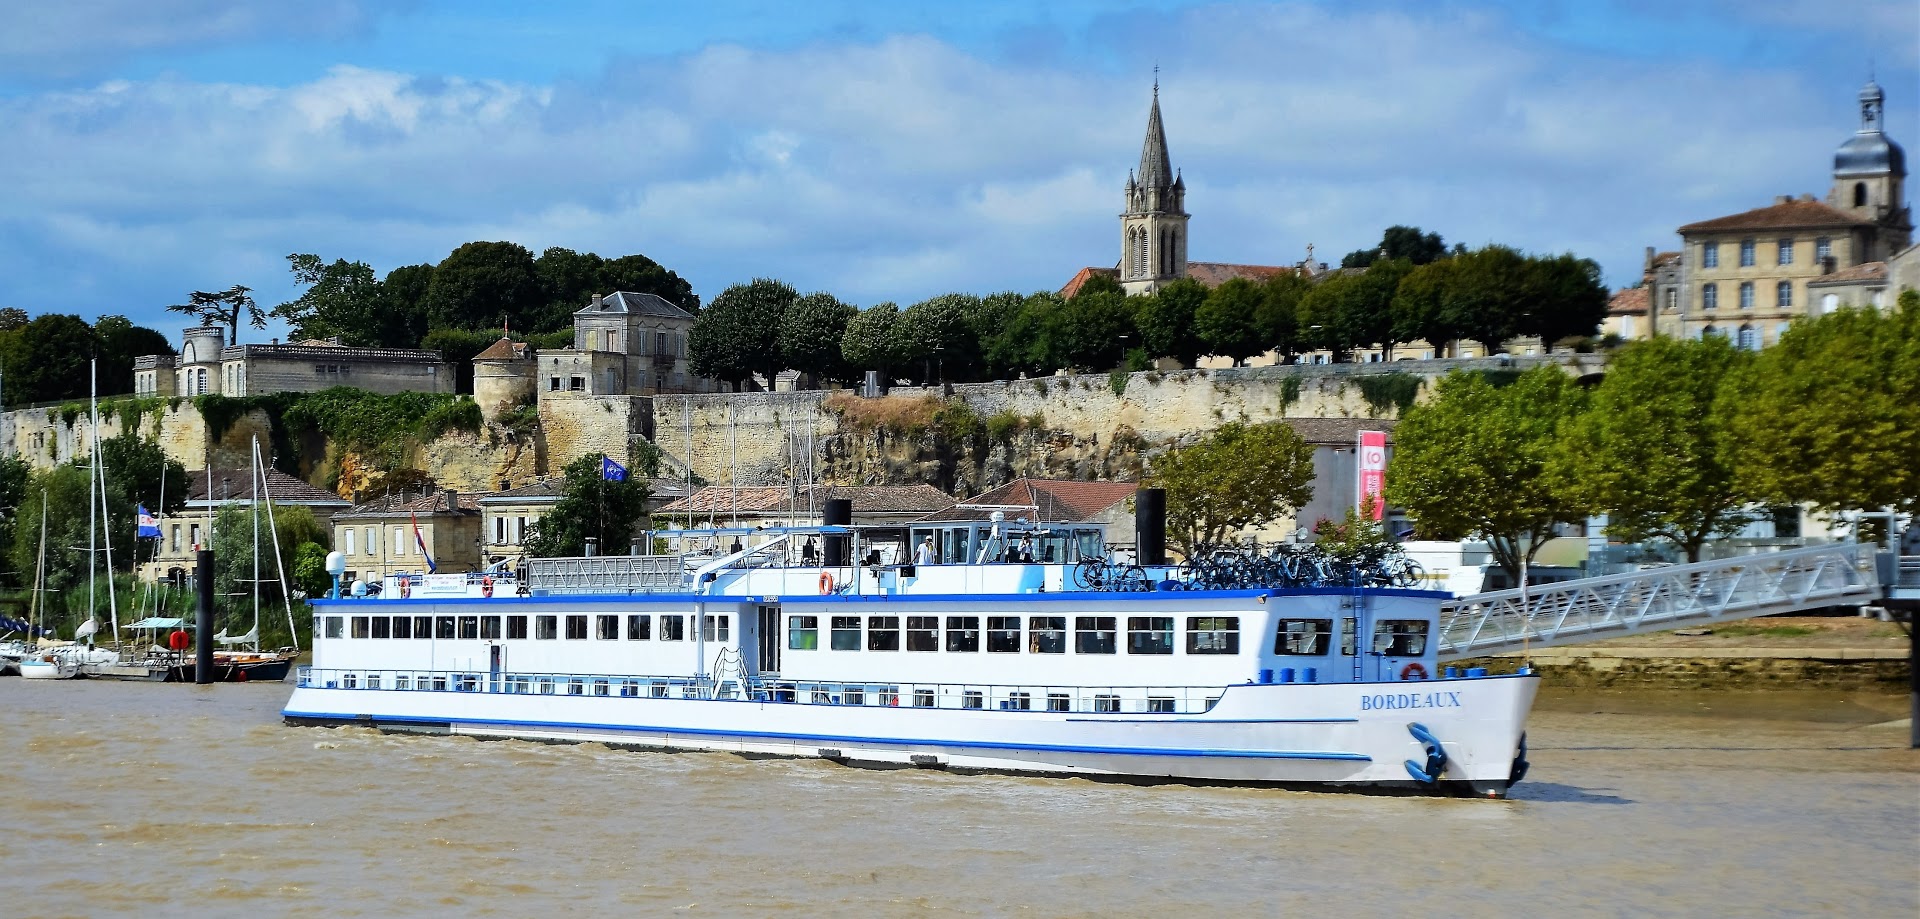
(203, 617)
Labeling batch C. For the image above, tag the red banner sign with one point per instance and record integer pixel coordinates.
(1373, 472)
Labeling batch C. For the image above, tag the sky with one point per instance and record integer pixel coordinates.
(892, 150)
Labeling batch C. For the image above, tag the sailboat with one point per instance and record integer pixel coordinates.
(43, 663)
(240, 658)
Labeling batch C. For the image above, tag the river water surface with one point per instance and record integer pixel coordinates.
(117, 799)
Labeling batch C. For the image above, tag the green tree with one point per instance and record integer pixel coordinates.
(935, 340)
(643, 275)
(568, 281)
(135, 467)
(458, 347)
(1355, 310)
(1565, 299)
(225, 307)
(1278, 316)
(1399, 242)
(1237, 477)
(13, 317)
(1418, 306)
(235, 550)
(738, 335)
(481, 284)
(66, 489)
(869, 342)
(401, 321)
(119, 342)
(1091, 331)
(1229, 322)
(16, 479)
(342, 298)
(590, 505)
(811, 332)
(46, 359)
(988, 323)
(1168, 319)
(1487, 295)
(1830, 415)
(1651, 450)
(1475, 460)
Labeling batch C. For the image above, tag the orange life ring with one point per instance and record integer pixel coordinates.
(826, 583)
(179, 640)
(1413, 671)
(486, 586)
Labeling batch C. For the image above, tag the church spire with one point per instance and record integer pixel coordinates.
(1156, 167)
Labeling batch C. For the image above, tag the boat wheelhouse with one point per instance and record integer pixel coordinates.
(1062, 667)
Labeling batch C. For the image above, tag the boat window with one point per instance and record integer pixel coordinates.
(546, 628)
(822, 697)
(1019, 701)
(1059, 702)
(319, 626)
(467, 682)
(1089, 544)
(336, 626)
(423, 627)
(402, 627)
(520, 685)
(963, 633)
(803, 633)
(350, 680)
(1160, 704)
(889, 696)
(439, 684)
(607, 628)
(402, 682)
(1348, 646)
(469, 626)
(577, 628)
(1106, 703)
(629, 689)
(361, 628)
(382, 627)
(923, 698)
(673, 628)
(442, 627)
(883, 633)
(602, 687)
(853, 695)
(1003, 634)
(1093, 634)
(707, 631)
(972, 699)
(923, 633)
(1149, 634)
(1310, 637)
(576, 687)
(639, 627)
(657, 690)
(516, 626)
(1213, 635)
(490, 627)
(846, 633)
(1047, 634)
(1400, 637)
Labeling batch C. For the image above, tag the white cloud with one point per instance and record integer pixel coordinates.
(903, 168)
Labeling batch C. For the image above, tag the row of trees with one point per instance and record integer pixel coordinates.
(1681, 441)
(44, 359)
(1488, 295)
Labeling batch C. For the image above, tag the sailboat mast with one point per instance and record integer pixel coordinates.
(39, 575)
(106, 536)
(253, 510)
(273, 535)
(93, 473)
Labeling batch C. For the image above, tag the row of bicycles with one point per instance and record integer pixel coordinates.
(1254, 567)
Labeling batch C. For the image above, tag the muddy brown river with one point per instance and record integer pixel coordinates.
(166, 800)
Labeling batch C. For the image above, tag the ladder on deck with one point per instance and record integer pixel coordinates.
(1669, 597)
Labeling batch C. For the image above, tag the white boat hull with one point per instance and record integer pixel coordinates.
(59, 668)
(1349, 736)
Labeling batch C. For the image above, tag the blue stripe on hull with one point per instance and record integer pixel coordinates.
(836, 738)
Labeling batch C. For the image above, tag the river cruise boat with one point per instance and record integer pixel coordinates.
(968, 647)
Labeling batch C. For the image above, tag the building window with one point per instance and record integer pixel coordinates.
(1822, 249)
(373, 541)
(1746, 295)
(519, 530)
(399, 544)
(553, 384)
(660, 344)
(1709, 296)
(1673, 299)
(499, 531)
(576, 384)
(1746, 253)
(1859, 194)
(1783, 294)
(1707, 332)
(1710, 255)
(174, 541)
(348, 533)
(1785, 256)
(1829, 302)
(1749, 339)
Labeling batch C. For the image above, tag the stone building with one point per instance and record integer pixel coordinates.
(182, 533)
(1748, 275)
(508, 518)
(624, 344)
(207, 365)
(377, 537)
(504, 376)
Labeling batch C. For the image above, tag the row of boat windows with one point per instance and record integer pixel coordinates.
(817, 695)
(1004, 634)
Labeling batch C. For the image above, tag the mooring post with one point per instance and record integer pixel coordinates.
(203, 617)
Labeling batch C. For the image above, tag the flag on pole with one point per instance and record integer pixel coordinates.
(421, 541)
(149, 527)
(612, 471)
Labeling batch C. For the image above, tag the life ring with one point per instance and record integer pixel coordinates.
(1413, 671)
(178, 640)
(826, 583)
(486, 586)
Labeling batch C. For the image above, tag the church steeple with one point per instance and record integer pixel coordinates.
(1153, 247)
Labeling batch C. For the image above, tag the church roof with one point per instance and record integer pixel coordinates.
(1156, 166)
(1870, 152)
(1214, 274)
(1081, 277)
(1783, 215)
(626, 302)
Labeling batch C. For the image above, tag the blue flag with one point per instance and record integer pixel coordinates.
(612, 471)
(149, 527)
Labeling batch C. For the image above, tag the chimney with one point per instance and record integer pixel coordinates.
(453, 500)
(1782, 199)
(596, 301)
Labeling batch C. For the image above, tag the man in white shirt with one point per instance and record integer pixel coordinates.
(924, 554)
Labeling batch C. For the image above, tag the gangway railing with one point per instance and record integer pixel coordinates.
(1590, 609)
(606, 574)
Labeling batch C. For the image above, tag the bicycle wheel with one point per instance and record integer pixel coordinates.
(1090, 574)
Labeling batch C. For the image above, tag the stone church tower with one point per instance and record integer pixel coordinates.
(1868, 172)
(1153, 231)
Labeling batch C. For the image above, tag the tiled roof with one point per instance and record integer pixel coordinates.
(1665, 258)
(870, 499)
(1048, 500)
(237, 485)
(524, 493)
(1780, 215)
(1214, 274)
(633, 304)
(409, 503)
(1864, 272)
(1081, 277)
(1631, 301)
(506, 349)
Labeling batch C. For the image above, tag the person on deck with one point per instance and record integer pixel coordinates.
(924, 554)
(807, 554)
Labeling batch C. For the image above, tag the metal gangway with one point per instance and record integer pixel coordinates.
(1674, 596)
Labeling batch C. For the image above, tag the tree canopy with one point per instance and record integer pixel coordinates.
(590, 505)
(738, 335)
(811, 332)
(224, 308)
(44, 359)
(1238, 476)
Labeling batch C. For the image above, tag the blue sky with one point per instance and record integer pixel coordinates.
(891, 150)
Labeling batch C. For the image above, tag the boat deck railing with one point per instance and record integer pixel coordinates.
(606, 574)
(1104, 700)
